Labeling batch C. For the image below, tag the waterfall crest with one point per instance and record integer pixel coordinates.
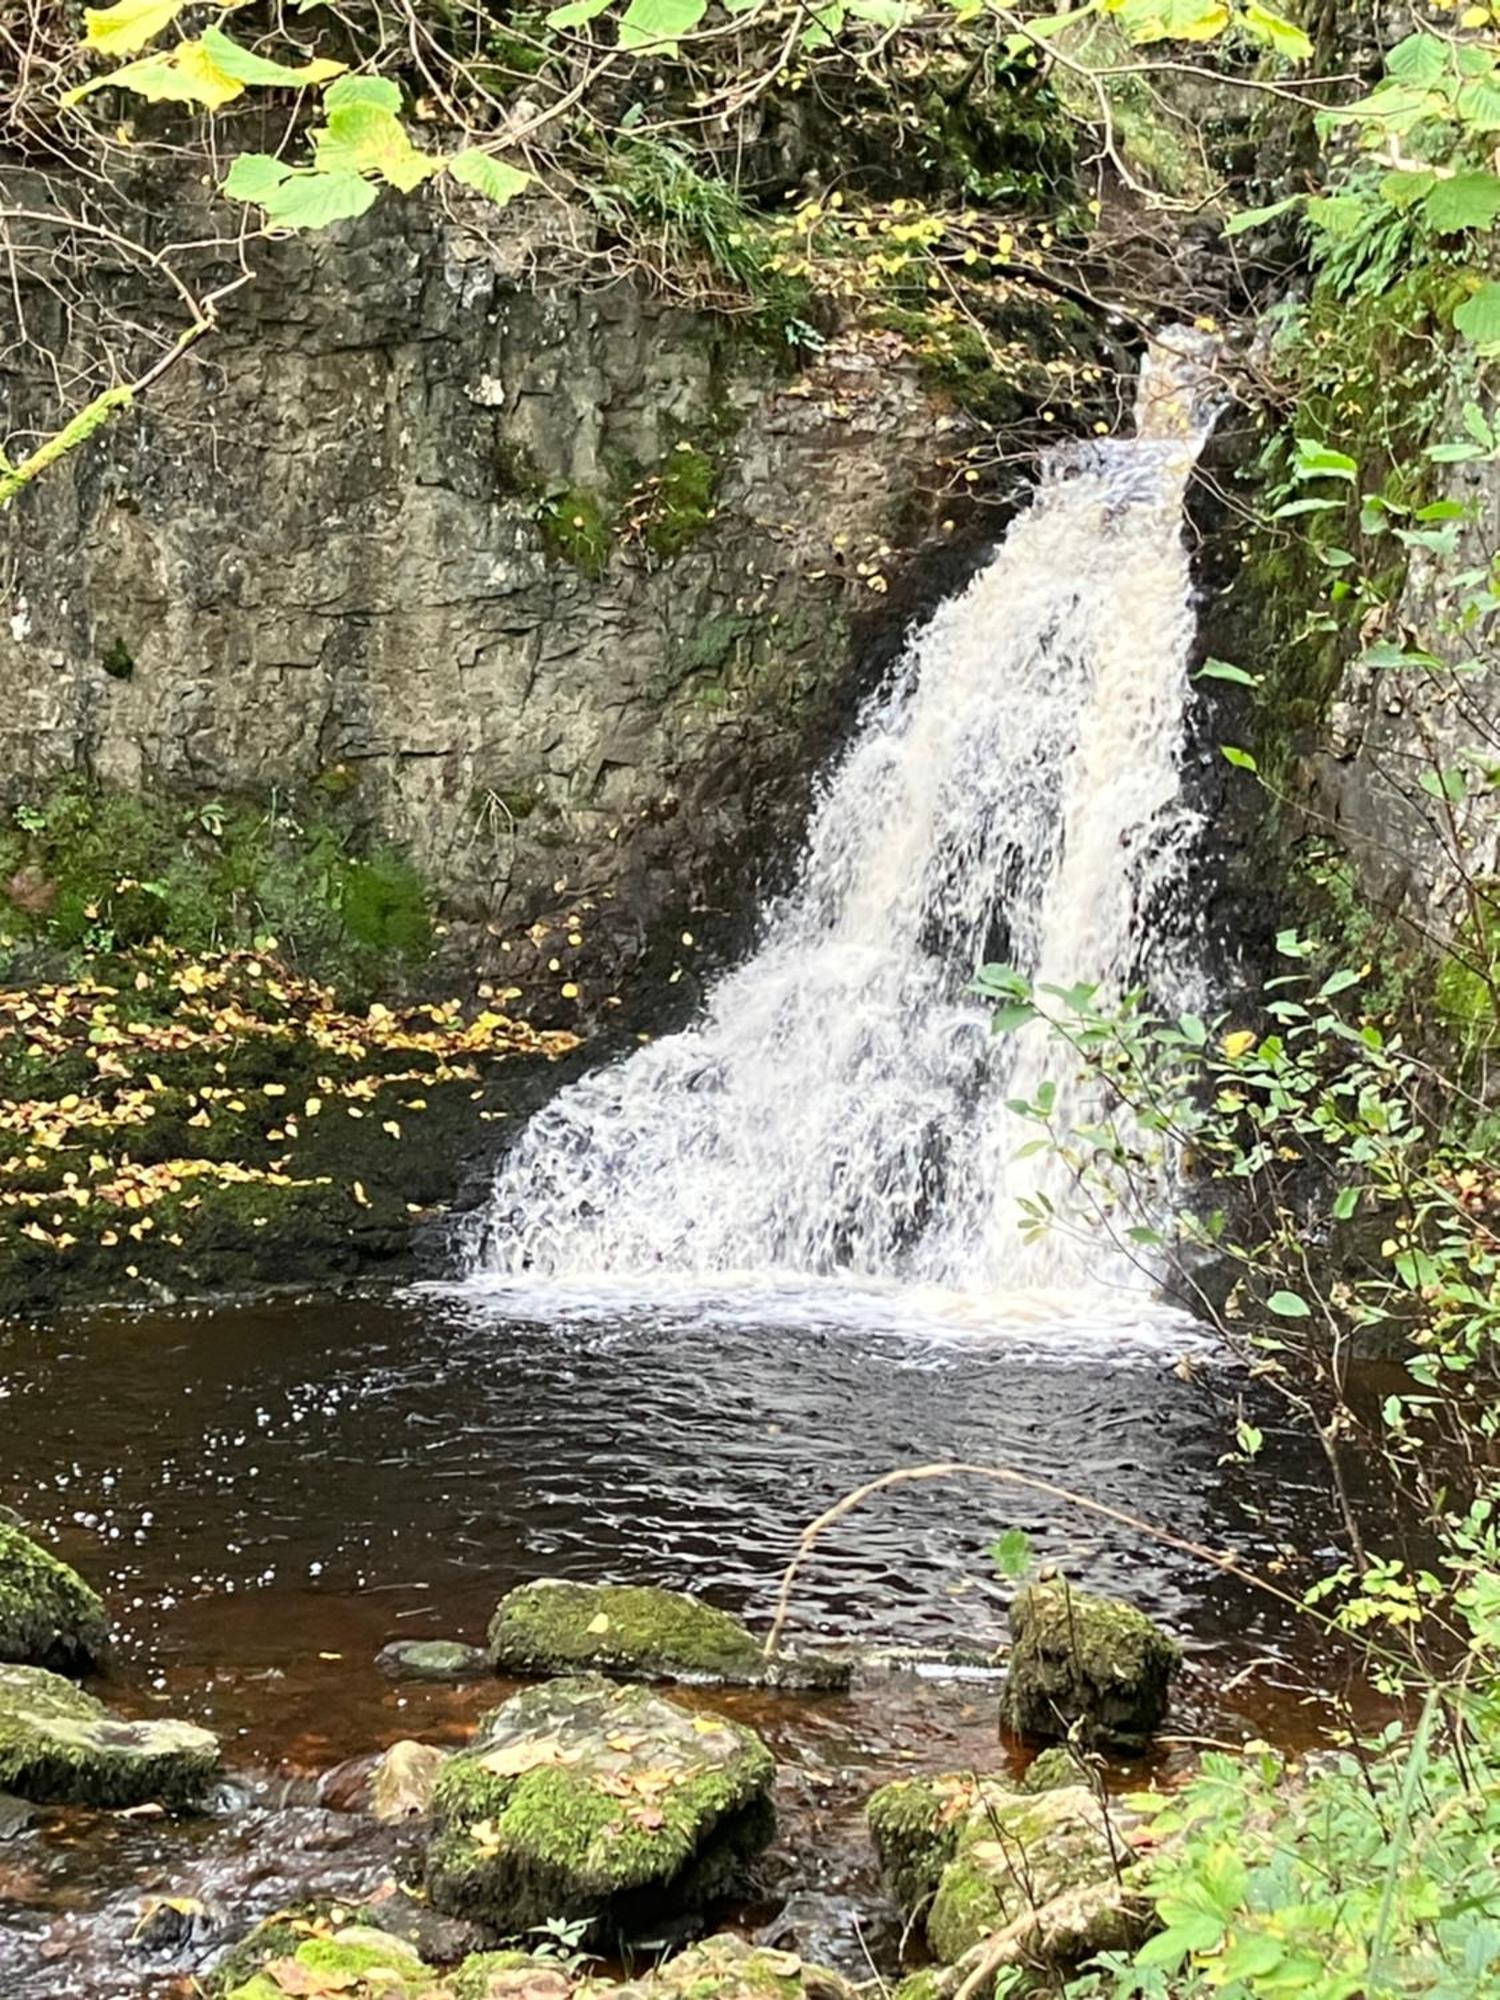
(1014, 793)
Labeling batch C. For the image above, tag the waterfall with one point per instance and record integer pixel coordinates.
(1014, 793)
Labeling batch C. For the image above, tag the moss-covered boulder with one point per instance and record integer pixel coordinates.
(730, 1968)
(49, 1617)
(1054, 1769)
(596, 1803)
(60, 1746)
(355, 1961)
(637, 1632)
(1086, 1667)
(915, 1824)
(432, 1660)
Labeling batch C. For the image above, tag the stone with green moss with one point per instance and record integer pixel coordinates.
(1084, 1666)
(1017, 1854)
(914, 1824)
(60, 1746)
(636, 1630)
(598, 1804)
(355, 1961)
(432, 1660)
(1052, 1770)
(730, 1968)
(49, 1617)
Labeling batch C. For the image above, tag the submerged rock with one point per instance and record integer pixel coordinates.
(59, 1746)
(49, 1617)
(433, 1660)
(1087, 1667)
(402, 1783)
(636, 1631)
(1043, 1879)
(587, 1802)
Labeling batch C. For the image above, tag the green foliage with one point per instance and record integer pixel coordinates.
(577, 530)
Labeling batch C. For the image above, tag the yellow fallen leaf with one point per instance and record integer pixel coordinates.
(1238, 1044)
(359, 1194)
(599, 1624)
(532, 1753)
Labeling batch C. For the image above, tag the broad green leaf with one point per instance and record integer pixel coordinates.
(379, 91)
(1316, 460)
(1288, 1305)
(1006, 1020)
(1451, 786)
(366, 139)
(1280, 34)
(1337, 215)
(1011, 1554)
(1407, 186)
(656, 24)
(1420, 59)
(497, 182)
(1466, 201)
(254, 177)
(1478, 104)
(1338, 982)
(1170, 20)
(1345, 1204)
(576, 12)
(824, 23)
(247, 67)
(1478, 318)
(128, 25)
(1255, 1956)
(184, 75)
(882, 13)
(1256, 218)
(1194, 1030)
(312, 201)
(1241, 759)
(1221, 670)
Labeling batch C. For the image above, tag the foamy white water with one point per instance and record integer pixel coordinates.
(840, 1113)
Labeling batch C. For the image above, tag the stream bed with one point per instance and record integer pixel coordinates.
(267, 1495)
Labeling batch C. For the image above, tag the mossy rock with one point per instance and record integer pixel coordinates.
(915, 1824)
(1017, 1854)
(730, 1968)
(597, 1804)
(356, 1962)
(638, 1632)
(59, 1746)
(432, 1660)
(1052, 1771)
(1085, 1667)
(49, 1617)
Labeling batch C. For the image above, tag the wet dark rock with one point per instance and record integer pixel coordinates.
(16, 1816)
(173, 1924)
(49, 1617)
(972, 1858)
(402, 1783)
(634, 1631)
(442, 1940)
(1086, 1667)
(59, 1745)
(433, 1660)
(608, 1806)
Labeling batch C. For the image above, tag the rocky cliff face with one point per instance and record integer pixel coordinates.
(561, 591)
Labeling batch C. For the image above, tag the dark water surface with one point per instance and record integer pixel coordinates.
(267, 1495)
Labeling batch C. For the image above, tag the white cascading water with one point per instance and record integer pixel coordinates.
(841, 1110)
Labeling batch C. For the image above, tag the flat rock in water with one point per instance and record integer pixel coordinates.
(637, 1632)
(606, 1805)
(49, 1617)
(358, 1963)
(433, 1660)
(59, 1746)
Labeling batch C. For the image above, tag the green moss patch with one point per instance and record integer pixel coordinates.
(554, 1627)
(49, 1617)
(60, 1746)
(595, 1803)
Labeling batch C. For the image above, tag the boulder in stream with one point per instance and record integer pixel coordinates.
(1085, 1667)
(403, 1781)
(433, 1660)
(1042, 1879)
(59, 1746)
(640, 1632)
(593, 1803)
(49, 1617)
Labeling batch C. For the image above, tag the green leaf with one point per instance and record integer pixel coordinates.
(1478, 104)
(312, 201)
(1451, 785)
(247, 67)
(1466, 201)
(1345, 1204)
(1255, 218)
(255, 177)
(1288, 1305)
(128, 25)
(1407, 186)
(1316, 460)
(1221, 670)
(1338, 982)
(1280, 34)
(381, 91)
(367, 139)
(183, 75)
(1420, 59)
(1194, 1030)
(1241, 759)
(1011, 1554)
(1478, 318)
(576, 13)
(1248, 1438)
(882, 13)
(1170, 20)
(1006, 1020)
(656, 24)
(1295, 507)
(1254, 1956)
(494, 179)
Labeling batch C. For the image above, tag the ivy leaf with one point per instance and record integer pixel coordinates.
(1478, 318)
(656, 24)
(1288, 1305)
(494, 179)
(379, 91)
(1466, 201)
(367, 139)
(312, 201)
(1280, 34)
(128, 25)
(247, 67)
